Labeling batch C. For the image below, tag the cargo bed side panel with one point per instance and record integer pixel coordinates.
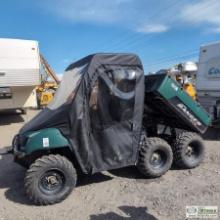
(172, 97)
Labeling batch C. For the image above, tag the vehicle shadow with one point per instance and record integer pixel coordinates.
(84, 180)
(7, 118)
(133, 213)
(128, 172)
(11, 178)
(133, 173)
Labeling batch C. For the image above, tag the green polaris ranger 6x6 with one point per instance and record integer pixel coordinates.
(105, 115)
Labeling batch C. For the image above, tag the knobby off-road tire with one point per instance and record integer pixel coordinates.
(155, 157)
(188, 150)
(50, 179)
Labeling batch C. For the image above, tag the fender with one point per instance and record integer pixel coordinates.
(44, 139)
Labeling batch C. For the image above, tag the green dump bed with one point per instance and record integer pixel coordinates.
(167, 103)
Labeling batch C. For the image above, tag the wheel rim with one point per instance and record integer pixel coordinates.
(158, 159)
(192, 150)
(52, 182)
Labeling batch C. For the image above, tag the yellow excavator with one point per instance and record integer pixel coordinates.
(49, 84)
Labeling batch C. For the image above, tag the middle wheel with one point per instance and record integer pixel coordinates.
(155, 157)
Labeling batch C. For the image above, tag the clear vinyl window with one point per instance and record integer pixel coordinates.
(112, 97)
(67, 88)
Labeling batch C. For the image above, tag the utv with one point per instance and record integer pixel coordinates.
(105, 115)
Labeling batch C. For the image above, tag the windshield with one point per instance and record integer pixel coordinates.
(67, 87)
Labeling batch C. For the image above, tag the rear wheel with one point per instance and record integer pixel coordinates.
(50, 179)
(188, 150)
(155, 157)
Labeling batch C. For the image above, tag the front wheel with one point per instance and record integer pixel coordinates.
(50, 179)
(155, 157)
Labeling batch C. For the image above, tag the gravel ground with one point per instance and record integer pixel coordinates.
(114, 195)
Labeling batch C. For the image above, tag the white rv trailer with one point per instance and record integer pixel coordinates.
(19, 73)
(208, 79)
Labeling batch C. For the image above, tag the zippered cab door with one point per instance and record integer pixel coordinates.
(113, 113)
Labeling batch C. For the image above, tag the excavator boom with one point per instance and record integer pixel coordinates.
(48, 69)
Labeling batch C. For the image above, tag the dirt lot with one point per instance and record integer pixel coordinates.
(116, 195)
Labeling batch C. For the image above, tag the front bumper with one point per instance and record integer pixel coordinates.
(21, 155)
(18, 153)
(18, 144)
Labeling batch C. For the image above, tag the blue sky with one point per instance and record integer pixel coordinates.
(161, 32)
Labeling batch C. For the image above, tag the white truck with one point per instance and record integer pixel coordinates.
(19, 73)
(208, 80)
